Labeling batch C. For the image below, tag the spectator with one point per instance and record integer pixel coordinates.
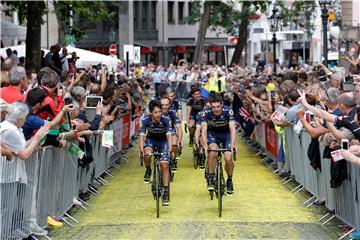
(54, 101)
(48, 57)
(64, 60)
(56, 64)
(18, 83)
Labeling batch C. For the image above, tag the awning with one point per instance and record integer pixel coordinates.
(10, 31)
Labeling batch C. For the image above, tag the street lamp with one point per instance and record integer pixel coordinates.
(324, 16)
(274, 20)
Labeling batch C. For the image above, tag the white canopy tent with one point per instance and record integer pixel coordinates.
(85, 57)
(21, 50)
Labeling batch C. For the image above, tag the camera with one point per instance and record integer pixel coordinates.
(323, 78)
(347, 84)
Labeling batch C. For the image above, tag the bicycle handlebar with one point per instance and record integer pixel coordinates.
(155, 154)
(219, 150)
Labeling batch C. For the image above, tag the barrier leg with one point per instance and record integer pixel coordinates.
(67, 222)
(258, 153)
(93, 189)
(109, 174)
(83, 203)
(270, 165)
(276, 171)
(327, 214)
(93, 193)
(329, 219)
(103, 180)
(309, 200)
(296, 188)
(309, 205)
(115, 165)
(265, 159)
(299, 190)
(47, 237)
(346, 234)
(72, 218)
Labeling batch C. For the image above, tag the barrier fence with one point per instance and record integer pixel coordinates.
(344, 199)
(46, 183)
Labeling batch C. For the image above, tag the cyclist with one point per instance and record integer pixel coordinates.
(194, 105)
(176, 127)
(175, 103)
(218, 127)
(155, 133)
(197, 135)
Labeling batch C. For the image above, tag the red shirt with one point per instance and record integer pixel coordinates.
(11, 94)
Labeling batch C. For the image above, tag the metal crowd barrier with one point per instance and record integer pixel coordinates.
(344, 200)
(47, 183)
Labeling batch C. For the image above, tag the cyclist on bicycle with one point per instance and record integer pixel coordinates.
(155, 134)
(176, 127)
(218, 127)
(194, 105)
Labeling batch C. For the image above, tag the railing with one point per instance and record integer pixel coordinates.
(344, 200)
(46, 183)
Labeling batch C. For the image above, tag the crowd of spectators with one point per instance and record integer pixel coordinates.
(49, 107)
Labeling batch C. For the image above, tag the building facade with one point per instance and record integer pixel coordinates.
(159, 28)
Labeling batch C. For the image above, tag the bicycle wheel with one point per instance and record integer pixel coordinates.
(157, 185)
(219, 188)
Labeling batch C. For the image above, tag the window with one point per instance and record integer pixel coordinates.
(171, 12)
(181, 12)
(143, 15)
(191, 9)
(153, 15)
(136, 15)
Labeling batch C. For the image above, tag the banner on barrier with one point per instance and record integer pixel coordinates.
(260, 134)
(116, 126)
(132, 128)
(271, 140)
(125, 130)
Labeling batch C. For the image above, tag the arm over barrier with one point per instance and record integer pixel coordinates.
(46, 183)
(343, 199)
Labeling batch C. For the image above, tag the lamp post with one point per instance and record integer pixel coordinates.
(324, 16)
(274, 20)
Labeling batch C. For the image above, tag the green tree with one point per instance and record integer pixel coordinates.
(31, 12)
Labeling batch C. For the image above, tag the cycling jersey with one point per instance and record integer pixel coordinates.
(196, 106)
(175, 105)
(172, 115)
(155, 130)
(220, 123)
(156, 134)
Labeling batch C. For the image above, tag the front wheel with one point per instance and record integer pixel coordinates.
(219, 189)
(157, 187)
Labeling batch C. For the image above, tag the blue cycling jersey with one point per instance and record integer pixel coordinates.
(218, 124)
(155, 130)
(196, 106)
(175, 105)
(172, 115)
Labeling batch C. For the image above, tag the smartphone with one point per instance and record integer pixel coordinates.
(273, 94)
(311, 118)
(92, 101)
(345, 144)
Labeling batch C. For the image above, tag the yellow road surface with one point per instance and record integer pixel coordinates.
(260, 208)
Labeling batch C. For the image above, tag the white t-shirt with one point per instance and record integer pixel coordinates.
(13, 137)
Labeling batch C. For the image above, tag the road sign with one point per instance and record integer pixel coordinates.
(130, 49)
(113, 50)
(70, 38)
(137, 55)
